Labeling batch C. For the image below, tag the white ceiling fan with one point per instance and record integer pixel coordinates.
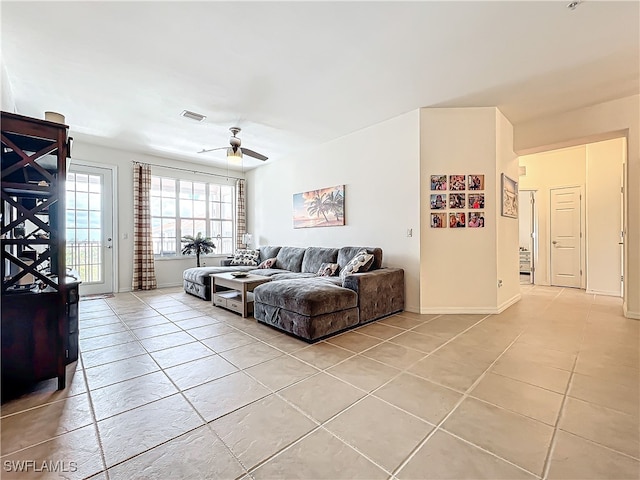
(234, 152)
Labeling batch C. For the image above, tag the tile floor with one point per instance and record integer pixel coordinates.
(170, 387)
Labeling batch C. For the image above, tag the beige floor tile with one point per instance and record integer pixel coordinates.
(420, 397)
(252, 354)
(199, 371)
(447, 457)
(466, 355)
(145, 427)
(568, 343)
(307, 460)
(448, 326)
(287, 343)
(518, 439)
(394, 355)
(363, 372)
(519, 397)
(95, 319)
(228, 341)
(198, 454)
(607, 354)
(576, 458)
(445, 372)
(417, 316)
(91, 332)
(379, 330)
(403, 322)
(170, 357)
(209, 331)
(625, 398)
(42, 423)
(541, 355)
(622, 374)
(155, 330)
(387, 442)
(257, 431)
(172, 308)
(46, 392)
(281, 372)
(103, 375)
(184, 315)
(196, 322)
(322, 396)
(323, 355)
(77, 452)
(93, 343)
(145, 322)
(418, 341)
(224, 395)
(354, 341)
(539, 375)
(602, 425)
(123, 396)
(169, 340)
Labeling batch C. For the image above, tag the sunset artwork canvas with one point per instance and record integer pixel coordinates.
(319, 208)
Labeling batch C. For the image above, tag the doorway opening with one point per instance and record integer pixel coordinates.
(527, 235)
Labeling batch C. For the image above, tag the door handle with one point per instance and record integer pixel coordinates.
(554, 242)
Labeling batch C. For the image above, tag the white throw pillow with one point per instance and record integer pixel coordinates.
(361, 262)
(245, 257)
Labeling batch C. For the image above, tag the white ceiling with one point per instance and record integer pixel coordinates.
(295, 74)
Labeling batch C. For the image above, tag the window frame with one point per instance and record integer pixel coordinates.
(177, 219)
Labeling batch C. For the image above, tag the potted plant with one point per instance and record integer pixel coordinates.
(198, 244)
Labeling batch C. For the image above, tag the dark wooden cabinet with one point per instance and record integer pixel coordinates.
(38, 310)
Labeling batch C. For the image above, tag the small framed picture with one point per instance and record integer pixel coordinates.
(457, 182)
(476, 220)
(476, 182)
(457, 200)
(509, 197)
(438, 220)
(476, 200)
(438, 182)
(457, 220)
(438, 201)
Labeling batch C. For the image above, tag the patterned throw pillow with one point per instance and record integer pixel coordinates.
(245, 257)
(328, 270)
(361, 262)
(268, 263)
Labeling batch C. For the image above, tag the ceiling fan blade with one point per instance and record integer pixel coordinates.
(212, 149)
(253, 154)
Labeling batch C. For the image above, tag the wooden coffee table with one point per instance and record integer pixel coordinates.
(239, 299)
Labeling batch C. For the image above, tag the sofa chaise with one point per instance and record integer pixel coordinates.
(303, 303)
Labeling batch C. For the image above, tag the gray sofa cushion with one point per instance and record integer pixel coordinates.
(290, 258)
(268, 251)
(345, 254)
(316, 256)
(314, 296)
(200, 275)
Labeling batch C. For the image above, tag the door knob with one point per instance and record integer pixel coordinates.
(554, 242)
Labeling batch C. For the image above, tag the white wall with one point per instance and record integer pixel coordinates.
(380, 168)
(460, 268)
(168, 271)
(7, 103)
(557, 168)
(604, 161)
(524, 219)
(598, 122)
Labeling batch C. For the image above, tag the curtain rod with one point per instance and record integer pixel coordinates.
(190, 170)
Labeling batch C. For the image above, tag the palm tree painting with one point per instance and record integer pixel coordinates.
(319, 208)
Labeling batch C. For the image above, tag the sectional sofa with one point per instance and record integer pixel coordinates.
(301, 302)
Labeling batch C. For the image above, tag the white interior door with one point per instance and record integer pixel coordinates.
(565, 237)
(90, 227)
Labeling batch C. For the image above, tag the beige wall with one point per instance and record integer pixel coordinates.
(380, 169)
(599, 122)
(460, 268)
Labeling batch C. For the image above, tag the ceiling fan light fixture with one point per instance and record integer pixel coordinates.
(234, 155)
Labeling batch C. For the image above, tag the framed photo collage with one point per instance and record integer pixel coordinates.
(457, 201)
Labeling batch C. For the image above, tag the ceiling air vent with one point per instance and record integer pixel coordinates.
(193, 115)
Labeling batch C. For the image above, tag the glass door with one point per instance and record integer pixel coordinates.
(89, 226)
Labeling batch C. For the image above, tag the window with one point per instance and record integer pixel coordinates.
(183, 207)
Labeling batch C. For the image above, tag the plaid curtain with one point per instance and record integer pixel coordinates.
(144, 274)
(241, 213)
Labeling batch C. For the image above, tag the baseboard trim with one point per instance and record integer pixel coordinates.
(167, 285)
(412, 309)
(607, 293)
(471, 310)
(628, 314)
